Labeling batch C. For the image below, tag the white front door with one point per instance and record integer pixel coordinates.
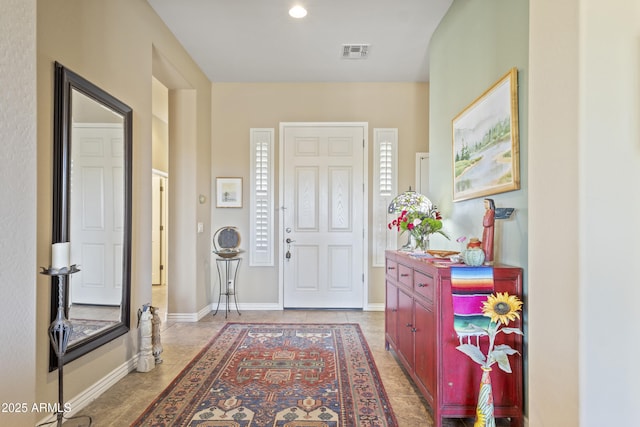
(97, 214)
(323, 215)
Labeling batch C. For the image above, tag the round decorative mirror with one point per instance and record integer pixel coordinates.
(226, 242)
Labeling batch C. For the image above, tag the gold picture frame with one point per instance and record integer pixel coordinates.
(228, 192)
(486, 146)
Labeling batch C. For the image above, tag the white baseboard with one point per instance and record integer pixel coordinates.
(194, 317)
(375, 307)
(258, 306)
(204, 311)
(77, 403)
(182, 317)
(189, 317)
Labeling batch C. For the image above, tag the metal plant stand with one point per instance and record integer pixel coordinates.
(59, 333)
(227, 275)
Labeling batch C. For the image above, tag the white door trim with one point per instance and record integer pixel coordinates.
(365, 210)
(422, 173)
(164, 209)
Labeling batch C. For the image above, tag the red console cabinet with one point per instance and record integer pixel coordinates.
(419, 328)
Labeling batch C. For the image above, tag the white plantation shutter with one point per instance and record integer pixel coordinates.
(261, 206)
(387, 157)
(385, 188)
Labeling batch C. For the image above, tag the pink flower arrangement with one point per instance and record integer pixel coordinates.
(419, 224)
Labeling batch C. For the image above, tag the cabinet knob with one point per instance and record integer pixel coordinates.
(391, 268)
(409, 325)
(404, 275)
(414, 330)
(421, 285)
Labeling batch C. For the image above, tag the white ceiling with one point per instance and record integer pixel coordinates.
(257, 41)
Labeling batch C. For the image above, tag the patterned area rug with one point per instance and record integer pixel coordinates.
(279, 375)
(83, 328)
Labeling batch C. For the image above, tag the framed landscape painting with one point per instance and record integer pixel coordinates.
(486, 144)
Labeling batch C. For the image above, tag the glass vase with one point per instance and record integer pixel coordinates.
(421, 242)
(484, 409)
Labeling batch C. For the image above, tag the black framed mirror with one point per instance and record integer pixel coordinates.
(92, 210)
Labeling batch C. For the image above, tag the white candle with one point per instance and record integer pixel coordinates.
(60, 255)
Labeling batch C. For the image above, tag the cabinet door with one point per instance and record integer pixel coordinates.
(391, 314)
(425, 348)
(460, 376)
(405, 327)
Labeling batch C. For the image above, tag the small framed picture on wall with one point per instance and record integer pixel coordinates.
(228, 192)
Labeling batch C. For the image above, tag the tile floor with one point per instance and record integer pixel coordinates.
(127, 399)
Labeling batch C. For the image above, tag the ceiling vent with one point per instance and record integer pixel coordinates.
(355, 51)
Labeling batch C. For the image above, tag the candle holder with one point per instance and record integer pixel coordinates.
(59, 332)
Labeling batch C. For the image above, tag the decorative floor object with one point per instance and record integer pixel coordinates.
(280, 375)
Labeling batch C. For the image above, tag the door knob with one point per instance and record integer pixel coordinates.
(289, 240)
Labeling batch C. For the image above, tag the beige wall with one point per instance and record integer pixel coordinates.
(160, 137)
(239, 107)
(160, 125)
(584, 111)
(554, 48)
(112, 44)
(18, 206)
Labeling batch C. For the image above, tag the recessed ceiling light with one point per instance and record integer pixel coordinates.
(298, 12)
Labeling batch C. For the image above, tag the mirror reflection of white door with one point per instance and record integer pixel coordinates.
(323, 216)
(97, 214)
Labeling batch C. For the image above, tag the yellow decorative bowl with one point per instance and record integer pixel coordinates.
(441, 254)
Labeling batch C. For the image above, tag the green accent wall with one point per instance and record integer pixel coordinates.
(476, 44)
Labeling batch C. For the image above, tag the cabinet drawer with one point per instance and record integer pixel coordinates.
(392, 270)
(423, 284)
(405, 275)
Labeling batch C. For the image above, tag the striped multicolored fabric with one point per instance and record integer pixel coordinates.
(470, 287)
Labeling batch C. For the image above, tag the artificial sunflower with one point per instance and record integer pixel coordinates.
(502, 308)
(480, 418)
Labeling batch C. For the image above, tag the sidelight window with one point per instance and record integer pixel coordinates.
(385, 188)
(261, 240)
